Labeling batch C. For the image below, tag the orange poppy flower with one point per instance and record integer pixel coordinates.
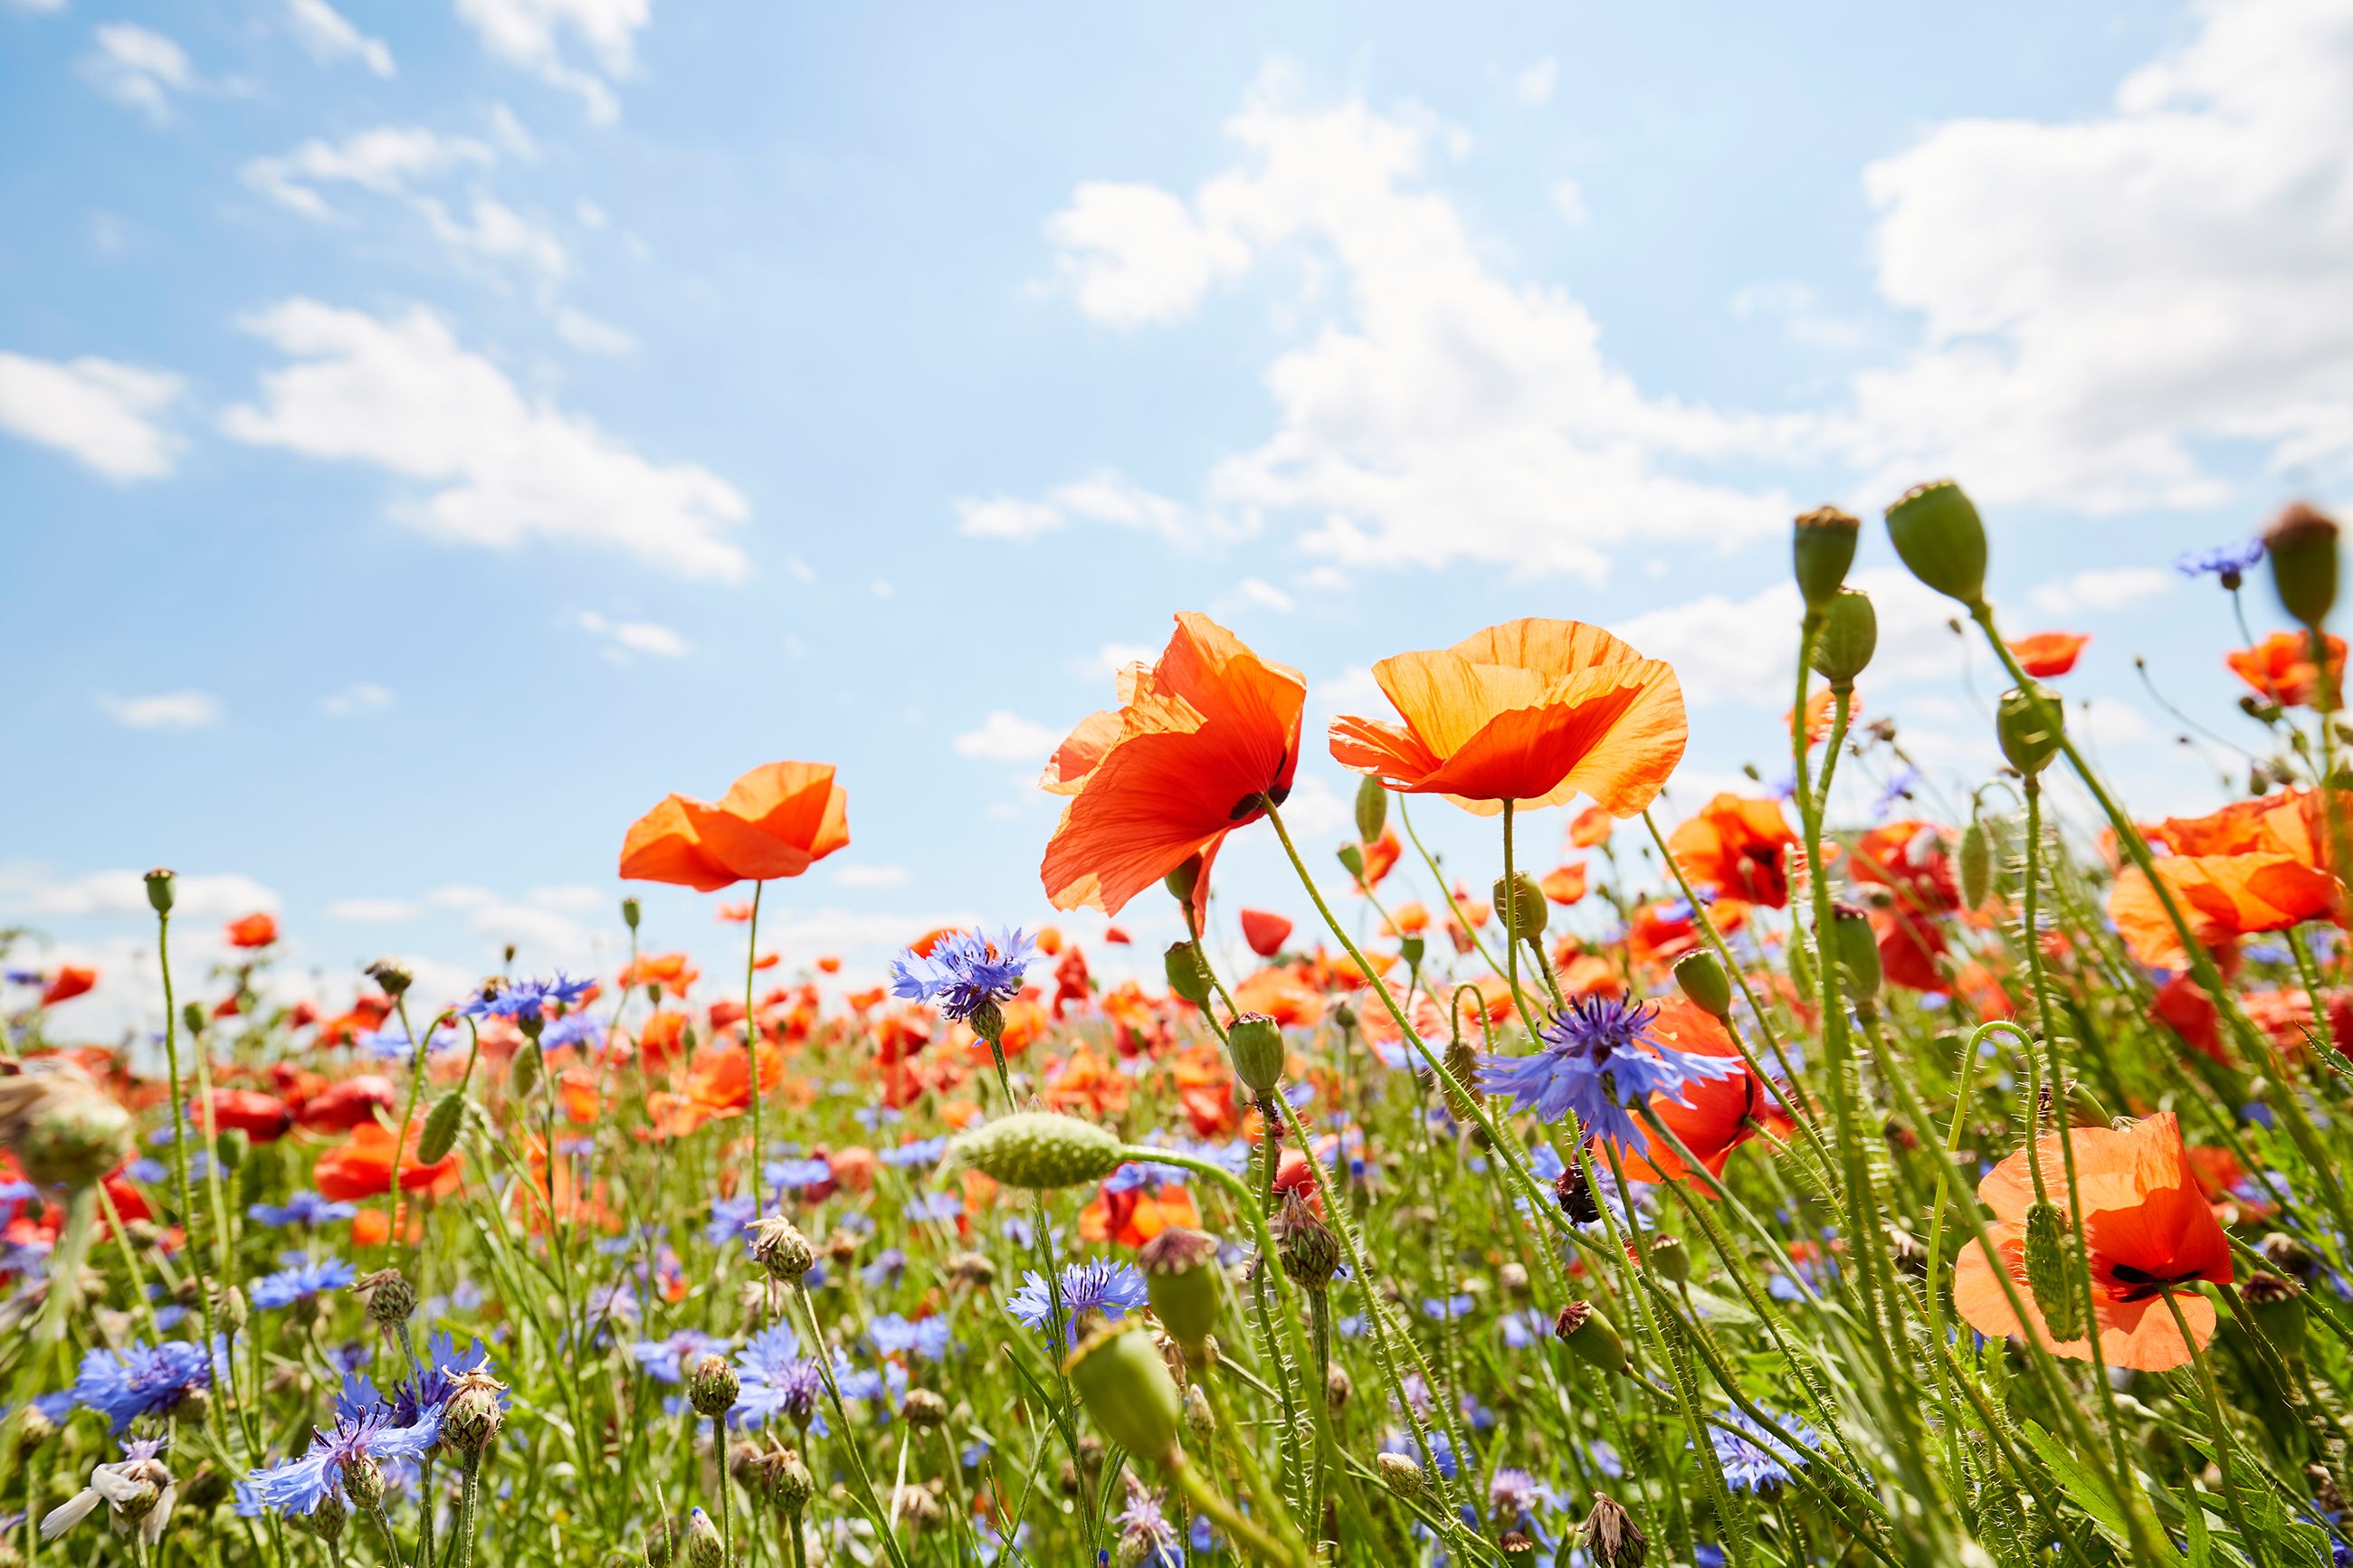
(2147, 1230)
(829, 963)
(1134, 1216)
(669, 970)
(1281, 996)
(1380, 858)
(2290, 822)
(2280, 668)
(70, 981)
(1264, 932)
(718, 1085)
(1590, 828)
(1910, 857)
(253, 930)
(735, 914)
(1115, 937)
(2046, 654)
(1563, 884)
(1408, 919)
(1737, 847)
(353, 1102)
(1590, 974)
(1197, 740)
(660, 1038)
(1087, 1082)
(2223, 897)
(1822, 714)
(1532, 711)
(362, 1167)
(1722, 1113)
(1910, 942)
(775, 821)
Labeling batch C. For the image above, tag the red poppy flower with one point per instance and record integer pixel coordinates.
(1565, 884)
(1737, 847)
(1721, 1113)
(1590, 828)
(2281, 671)
(2047, 654)
(362, 1167)
(345, 1105)
(264, 1118)
(775, 821)
(70, 981)
(253, 930)
(1264, 932)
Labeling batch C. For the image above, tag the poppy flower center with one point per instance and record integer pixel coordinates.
(1256, 800)
(2138, 1284)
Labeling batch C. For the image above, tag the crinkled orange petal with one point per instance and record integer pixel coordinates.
(2222, 896)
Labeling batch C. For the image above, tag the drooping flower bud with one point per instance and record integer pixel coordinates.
(713, 1385)
(1255, 1044)
(441, 1125)
(1849, 637)
(1372, 810)
(1181, 883)
(1976, 865)
(2048, 1274)
(2302, 544)
(1588, 1331)
(1823, 547)
(159, 890)
(1401, 1475)
(1038, 1150)
(1188, 973)
(779, 1246)
(1938, 535)
(1522, 902)
(1611, 1536)
(1128, 1393)
(1180, 1277)
(1700, 974)
(1854, 950)
(2028, 722)
(1309, 1251)
(923, 1409)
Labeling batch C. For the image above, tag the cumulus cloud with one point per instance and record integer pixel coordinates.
(622, 638)
(330, 37)
(139, 67)
(362, 696)
(164, 711)
(872, 876)
(388, 160)
(28, 890)
(98, 412)
(502, 469)
(1108, 497)
(2100, 588)
(1005, 737)
(536, 34)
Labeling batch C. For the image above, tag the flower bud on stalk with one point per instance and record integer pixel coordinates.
(2048, 1274)
(1255, 1044)
(1823, 547)
(1611, 1536)
(2028, 722)
(473, 1416)
(1938, 535)
(925, 1411)
(1352, 860)
(629, 914)
(704, 1546)
(1182, 880)
(1180, 1277)
(1977, 865)
(1187, 972)
(1310, 1253)
(391, 976)
(711, 1386)
(1038, 1150)
(1401, 1475)
(63, 1130)
(1128, 1393)
(1849, 636)
(441, 1125)
(778, 1246)
(1669, 1260)
(1855, 951)
(159, 890)
(1523, 902)
(1588, 1331)
(1700, 974)
(791, 1480)
(364, 1483)
(1372, 810)
(2302, 544)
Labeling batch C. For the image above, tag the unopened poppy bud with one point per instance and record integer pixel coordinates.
(364, 1483)
(1938, 532)
(522, 1073)
(1352, 860)
(705, 1547)
(2028, 723)
(1372, 810)
(1039, 1149)
(1255, 1043)
(2048, 1274)
(1854, 950)
(192, 1018)
(1700, 974)
(1977, 865)
(1309, 1251)
(159, 890)
(1182, 880)
(713, 1385)
(1180, 1277)
(389, 1297)
(1823, 547)
(1401, 1475)
(2276, 1304)
(1669, 1260)
(2289, 1255)
(391, 976)
(923, 1409)
(1344, 1016)
(441, 1124)
(1188, 973)
(1588, 1331)
(1128, 1393)
(629, 914)
(779, 1246)
(1522, 902)
(1849, 637)
(2302, 544)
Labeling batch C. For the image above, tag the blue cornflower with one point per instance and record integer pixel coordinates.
(1105, 1286)
(666, 1361)
(2225, 561)
(1752, 1458)
(394, 1043)
(140, 1379)
(887, 1265)
(728, 1219)
(1445, 1306)
(1899, 789)
(366, 1427)
(305, 1207)
(526, 998)
(299, 1280)
(1146, 1536)
(965, 970)
(572, 1030)
(937, 1206)
(1597, 1057)
(813, 1172)
(925, 1337)
(922, 1151)
(778, 1379)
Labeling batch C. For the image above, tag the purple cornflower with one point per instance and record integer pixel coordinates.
(926, 1338)
(2227, 563)
(778, 1380)
(922, 1151)
(366, 1427)
(1752, 1458)
(814, 1170)
(1106, 1286)
(1597, 1057)
(140, 1379)
(1146, 1536)
(1899, 789)
(965, 971)
(305, 1207)
(526, 998)
(393, 1042)
(666, 1361)
(302, 1279)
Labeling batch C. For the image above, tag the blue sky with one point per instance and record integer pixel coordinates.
(432, 432)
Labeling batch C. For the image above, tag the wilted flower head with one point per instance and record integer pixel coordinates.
(137, 1489)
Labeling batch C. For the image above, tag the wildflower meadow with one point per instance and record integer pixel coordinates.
(1739, 1185)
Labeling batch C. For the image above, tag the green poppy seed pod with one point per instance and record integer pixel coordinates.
(713, 1385)
(1854, 948)
(1401, 1475)
(1670, 1260)
(1824, 548)
(629, 914)
(1938, 532)
(1977, 865)
(1181, 1276)
(441, 1125)
(1255, 1043)
(1352, 860)
(364, 1483)
(1344, 1016)
(159, 890)
(192, 1018)
(2049, 1276)
(1309, 1252)
(1183, 879)
(1700, 974)
(2302, 544)
(1586, 1330)
(2028, 722)
(63, 1131)
(2275, 1302)
(1187, 972)
(1372, 810)
(1128, 1393)
(1522, 901)
(1038, 1150)
(1848, 636)
(705, 1547)
(1410, 949)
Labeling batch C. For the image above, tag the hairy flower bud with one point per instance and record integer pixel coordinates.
(705, 1547)
(364, 1483)
(778, 1246)
(1700, 975)
(1372, 810)
(441, 1125)
(1855, 949)
(1589, 1332)
(1401, 1475)
(2049, 1274)
(389, 1297)
(713, 1385)
(1521, 902)
(1574, 1195)
(1128, 1393)
(790, 1480)
(474, 1414)
(1039, 1149)
(1669, 1260)
(1611, 1537)
(64, 1131)
(1976, 865)
(1255, 1044)
(2302, 544)
(1310, 1253)
(1849, 637)
(1938, 535)
(1181, 1276)
(1187, 972)
(2289, 1255)
(1823, 548)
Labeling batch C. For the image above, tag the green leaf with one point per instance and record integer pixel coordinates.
(2085, 1487)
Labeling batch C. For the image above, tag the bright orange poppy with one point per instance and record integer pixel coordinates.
(264, 1118)
(1590, 828)
(718, 1085)
(253, 930)
(1563, 884)
(1265, 931)
(1134, 1216)
(672, 972)
(1532, 711)
(2288, 821)
(1721, 1113)
(2046, 654)
(1822, 714)
(1380, 857)
(354, 1102)
(2147, 1230)
(1737, 847)
(362, 1167)
(775, 821)
(1281, 996)
(1197, 740)
(2280, 668)
(2223, 897)
(70, 981)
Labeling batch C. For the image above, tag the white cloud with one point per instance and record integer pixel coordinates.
(1133, 254)
(1568, 199)
(1112, 657)
(872, 876)
(2100, 588)
(532, 33)
(1534, 83)
(547, 925)
(592, 336)
(1798, 310)
(1314, 808)
(1005, 737)
(496, 231)
(386, 161)
(373, 912)
(362, 696)
(2109, 301)
(623, 638)
(1108, 497)
(95, 411)
(1257, 594)
(164, 711)
(27, 890)
(330, 37)
(136, 65)
(401, 393)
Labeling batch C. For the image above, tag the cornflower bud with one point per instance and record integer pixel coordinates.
(1128, 1393)
(1588, 1331)
(1401, 1475)
(704, 1546)
(474, 1414)
(2302, 544)
(159, 890)
(1700, 974)
(1039, 1149)
(389, 1297)
(1338, 1389)
(391, 976)
(1254, 1042)
(1941, 537)
(1180, 1277)
(1523, 902)
(364, 1483)
(1849, 637)
(1309, 1252)
(230, 1309)
(778, 1246)
(925, 1410)
(1372, 810)
(327, 1519)
(2289, 1255)
(790, 1480)
(1187, 972)
(711, 1386)
(1823, 549)
(2028, 722)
